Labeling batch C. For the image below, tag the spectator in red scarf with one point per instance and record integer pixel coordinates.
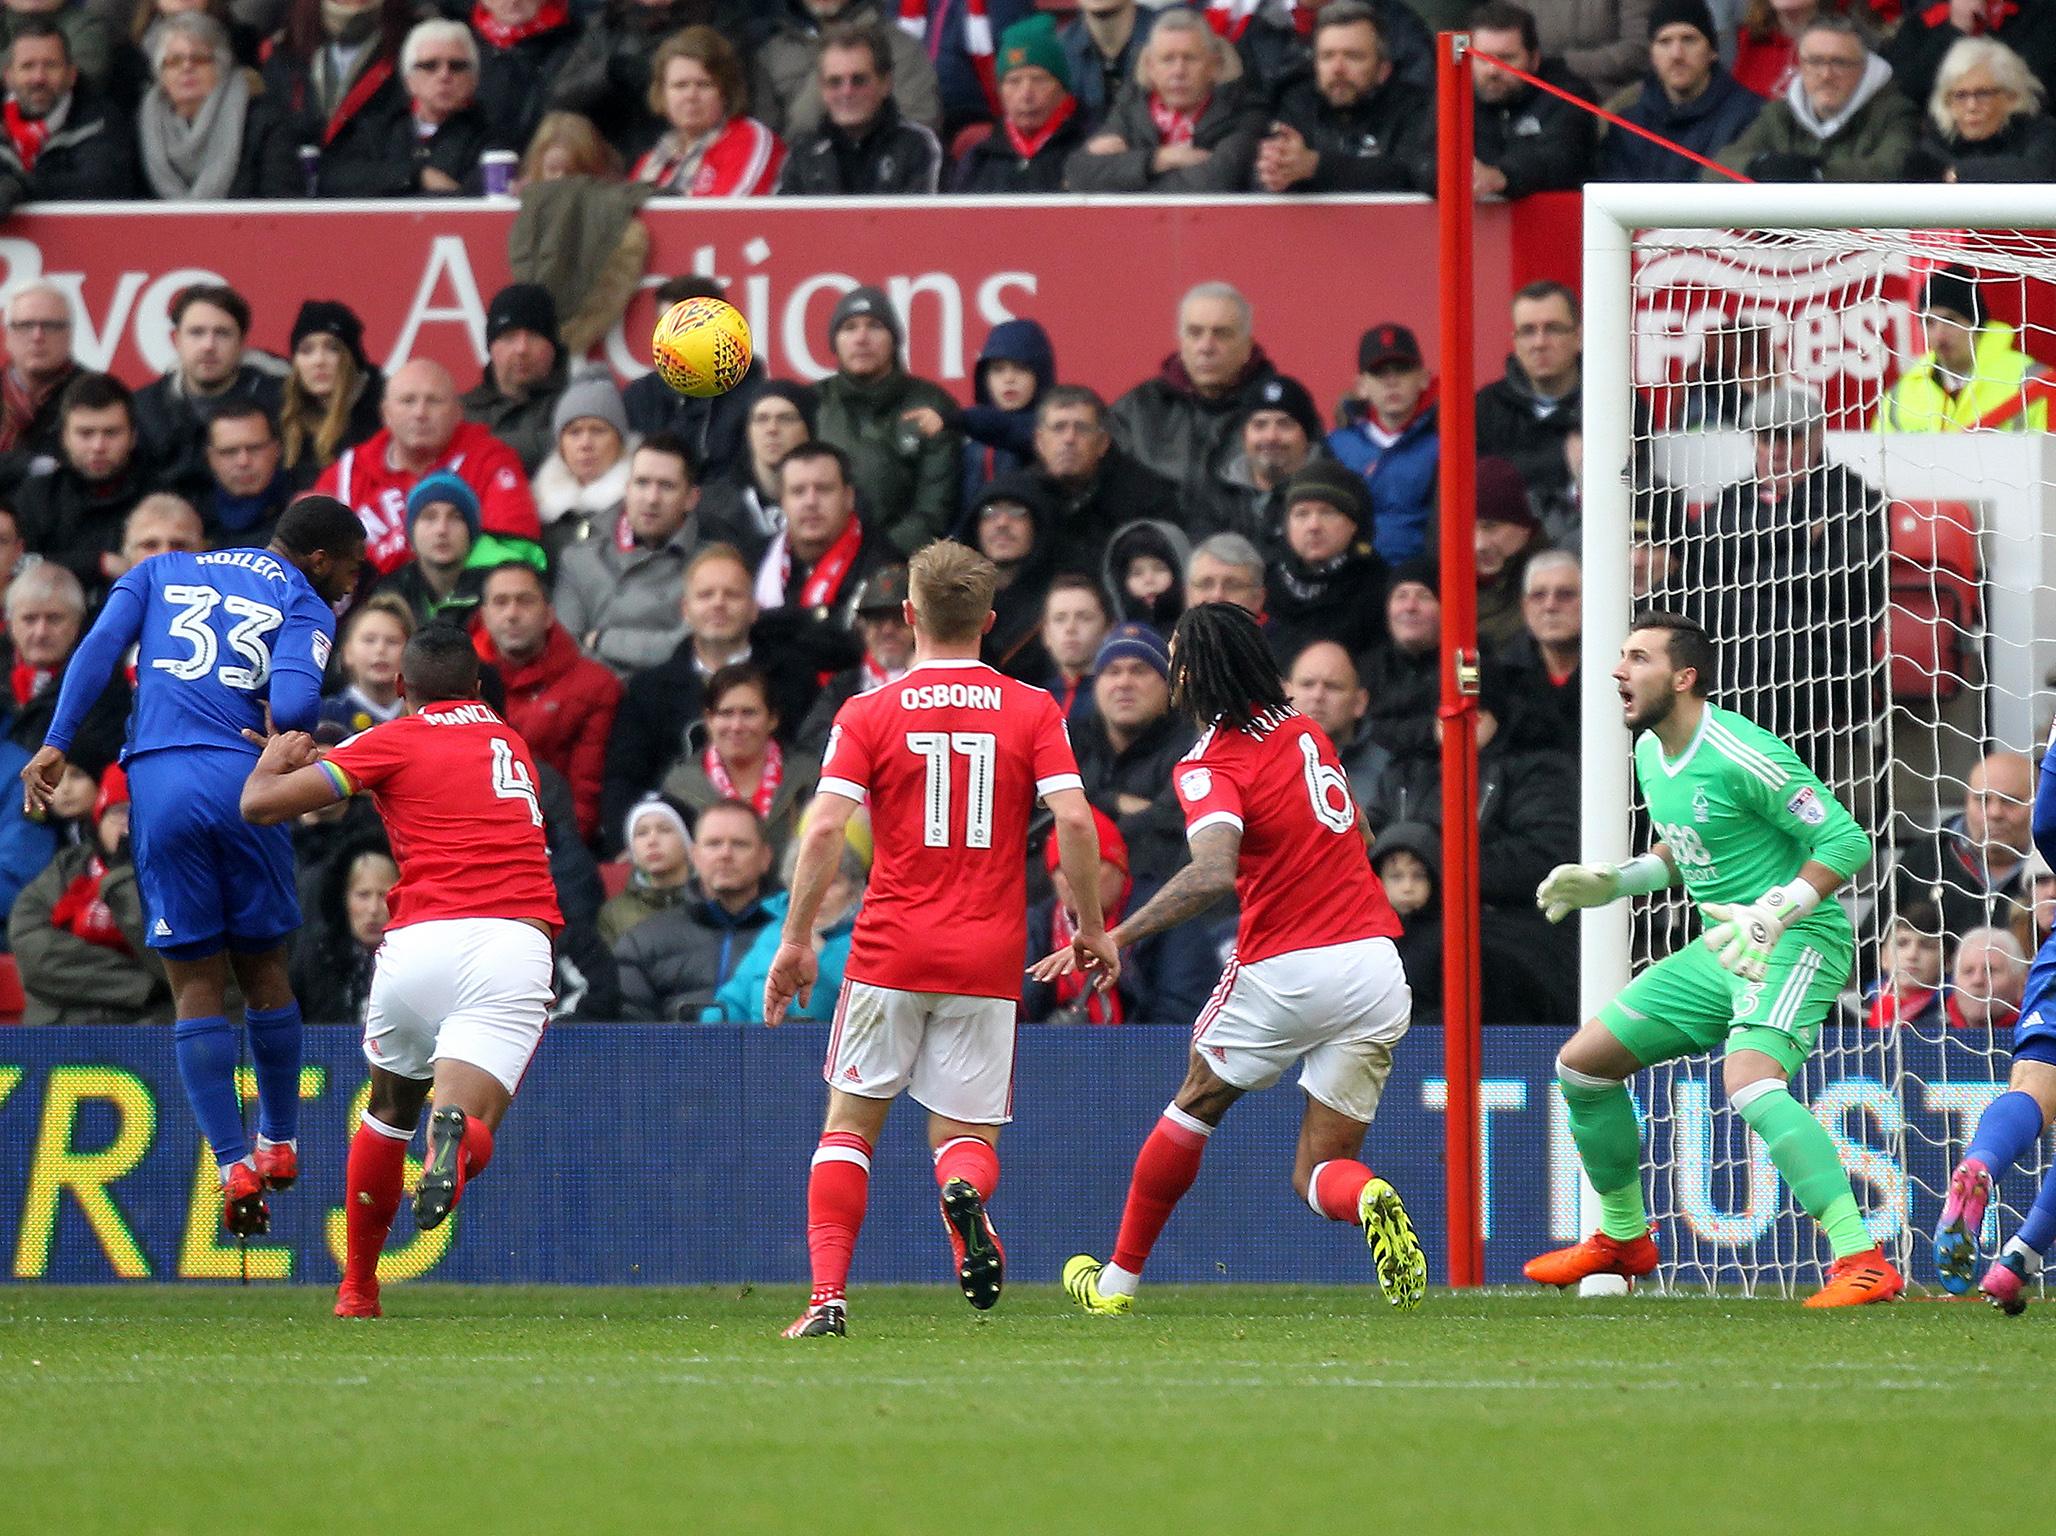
(713, 147)
(77, 930)
(1039, 127)
(521, 46)
(818, 564)
(336, 69)
(741, 758)
(1913, 988)
(561, 703)
(425, 431)
(1074, 999)
(63, 141)
(39, 365)
(1188, 125)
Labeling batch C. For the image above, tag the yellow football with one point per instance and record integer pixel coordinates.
(702, 347)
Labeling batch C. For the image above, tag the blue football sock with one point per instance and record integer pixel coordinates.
(2005, 1132)
(2039, 1230)
(275, 1047)
(207, 1066)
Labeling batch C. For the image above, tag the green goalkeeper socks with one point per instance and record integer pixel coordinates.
(1801, 1149)
(1609, 1144)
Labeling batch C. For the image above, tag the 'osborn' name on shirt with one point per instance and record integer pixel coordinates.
(950, 696)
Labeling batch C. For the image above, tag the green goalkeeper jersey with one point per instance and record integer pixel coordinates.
(1740, 814)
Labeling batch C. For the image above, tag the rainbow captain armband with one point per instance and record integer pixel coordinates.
(341, 780)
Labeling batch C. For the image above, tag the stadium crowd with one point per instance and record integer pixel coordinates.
(675, 595)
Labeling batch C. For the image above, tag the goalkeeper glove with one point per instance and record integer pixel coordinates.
(1743, 936)
(1568, 887)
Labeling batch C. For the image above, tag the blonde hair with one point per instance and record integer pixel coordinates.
(951, 587)
(2008, 70)
(574, 132)
(307, 425)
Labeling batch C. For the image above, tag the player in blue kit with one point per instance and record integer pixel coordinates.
(2012, 1125)
(230, 645)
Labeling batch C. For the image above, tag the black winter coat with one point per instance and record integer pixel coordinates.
(173, 424)
(673, 963)
(357, 137)
(394, 156)
(1539, 142)
(994, 168)
(91, 157)
(1156, 834)
(895, 158)
(1122, 491)
(1384, 143)
(268, 159)
(1343, 601)
(714, 430)
(1509, 428)
(66, 519)
(514, 84)
(2024, 150)
(606, 74)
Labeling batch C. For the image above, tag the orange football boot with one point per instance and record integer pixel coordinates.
(1596, 1255)
(1859, 1280)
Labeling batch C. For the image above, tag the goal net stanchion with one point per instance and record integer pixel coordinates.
(1916, 631)
(1462, 986)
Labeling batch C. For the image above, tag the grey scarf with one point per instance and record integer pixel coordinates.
(194, 159)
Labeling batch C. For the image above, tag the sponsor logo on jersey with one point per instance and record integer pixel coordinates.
(1702, 808)
(1807, 807)
(321, 649)
(1195, 783)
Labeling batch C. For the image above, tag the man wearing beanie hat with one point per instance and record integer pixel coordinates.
(1391, 435)
(740, 505)
(1040, 124)
(713, 428)
(1279, 432)
(865, 146)
(1352, 125)
(1326, 582)
(1973, 365)
(524, 372)
(442, 530)
(1687, 97)
(210, 328)
(1508, 532)
(905, 458)
(1129, 748)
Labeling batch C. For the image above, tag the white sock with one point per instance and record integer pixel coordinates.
(265, 1142)
(1116, 1281)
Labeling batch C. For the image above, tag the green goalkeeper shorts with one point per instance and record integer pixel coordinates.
(1687, 1004)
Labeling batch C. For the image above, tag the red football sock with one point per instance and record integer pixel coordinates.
(974, 1161)
(476, 1152)
(1164, 1170)
(376, 1171)
(1335, 1188)
(836, 1191)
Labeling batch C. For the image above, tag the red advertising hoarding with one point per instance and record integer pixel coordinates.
(1101, 274)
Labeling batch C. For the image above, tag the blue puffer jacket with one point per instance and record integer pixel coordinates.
(997, 441)
(741, 998)
(1707, 124)
(1401, 479)
(26, 847)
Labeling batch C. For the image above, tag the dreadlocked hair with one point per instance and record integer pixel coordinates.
(1221, 669)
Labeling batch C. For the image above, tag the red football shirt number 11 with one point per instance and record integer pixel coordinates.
(980, 750)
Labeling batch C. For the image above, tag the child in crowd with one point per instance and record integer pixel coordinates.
(659, 848)
(373, 638)
(1911, 990)
(1408, 861)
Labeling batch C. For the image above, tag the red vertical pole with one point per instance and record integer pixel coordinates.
(1461, 1041)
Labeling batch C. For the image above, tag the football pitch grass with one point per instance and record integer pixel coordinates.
(1217, 1409)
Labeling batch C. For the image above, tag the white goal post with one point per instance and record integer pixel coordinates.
(1861, 248)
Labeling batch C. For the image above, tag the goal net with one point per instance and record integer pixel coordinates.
(1813, 421)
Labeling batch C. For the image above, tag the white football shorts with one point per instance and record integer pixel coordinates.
(1338, 1010)
(471, 989)
(955, 1055)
